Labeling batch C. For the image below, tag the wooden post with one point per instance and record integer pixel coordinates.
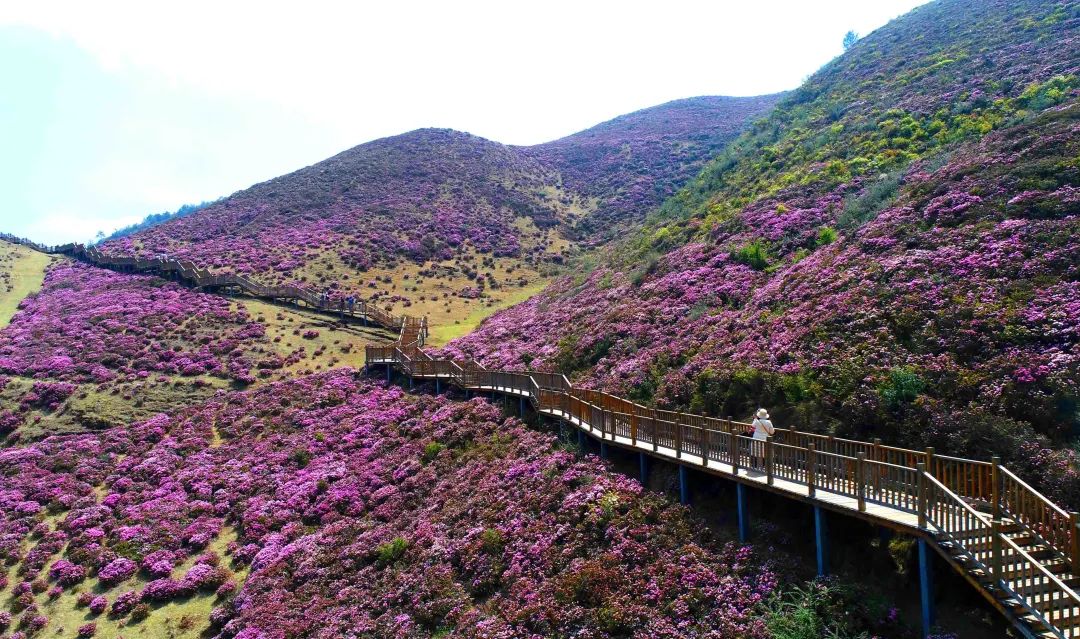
(921, 489)
(769, 461)
(678, 438)
(705, 444)
(877, 474)
(860, 479)
(930, 460)
(655, 432)
(995, 550)
(1074, 537)
(811, 469)
(733, 447)
(995, 486)
(633, 429)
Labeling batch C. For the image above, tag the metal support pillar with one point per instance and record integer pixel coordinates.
(926, 586)
(684, 485)
(388, 370)
(643, 468)
(521, 407)
(742, 504)
(603, 449)
(821, 537)
(581, 441)
(438, 387)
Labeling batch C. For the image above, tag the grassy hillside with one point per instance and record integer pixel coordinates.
(21, 273)
(892, 253)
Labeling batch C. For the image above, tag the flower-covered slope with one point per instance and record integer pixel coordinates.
(329, 507)
(879, 268)
(631, 164)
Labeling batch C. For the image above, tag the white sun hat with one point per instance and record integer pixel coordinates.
(762, 413)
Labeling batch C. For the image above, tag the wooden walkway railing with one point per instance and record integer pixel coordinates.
(187, 272)
(1016, 546)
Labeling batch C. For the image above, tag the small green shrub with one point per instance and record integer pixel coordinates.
(755, 254)
(827, 235)
(431, 451)
(391, 551)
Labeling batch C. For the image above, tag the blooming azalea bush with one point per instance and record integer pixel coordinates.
(346, 523)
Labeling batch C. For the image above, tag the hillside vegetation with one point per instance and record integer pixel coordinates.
(891, 252)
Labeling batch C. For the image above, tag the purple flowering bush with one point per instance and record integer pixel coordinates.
(344, 523)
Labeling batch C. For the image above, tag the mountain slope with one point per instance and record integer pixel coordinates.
(447, 221)
(880, 260)
(632, 163)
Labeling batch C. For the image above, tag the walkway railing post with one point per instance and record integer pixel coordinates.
(1074, 540)
(995, 486)
(996, 550)
(877, 475)
(930, 460)
(811, 470)
(678, 438)
(633, 428)
(920, 482)
(769, 461)
(733, 446)
(705, 445)
(860, 479)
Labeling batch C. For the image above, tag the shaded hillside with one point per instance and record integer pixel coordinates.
(631, 164)
(892, 253)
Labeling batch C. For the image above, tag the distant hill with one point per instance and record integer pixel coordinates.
(436, 194)
(634, 162)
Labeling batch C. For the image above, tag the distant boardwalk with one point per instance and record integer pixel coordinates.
(188, 273)
(1019, 549)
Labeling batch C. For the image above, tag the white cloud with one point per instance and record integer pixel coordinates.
(208, 97)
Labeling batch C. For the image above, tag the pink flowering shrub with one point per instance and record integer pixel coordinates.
(501, 530)
(93, 325)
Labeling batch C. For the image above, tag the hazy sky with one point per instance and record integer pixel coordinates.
(110, 111)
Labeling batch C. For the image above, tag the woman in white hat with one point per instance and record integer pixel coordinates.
(763, 429)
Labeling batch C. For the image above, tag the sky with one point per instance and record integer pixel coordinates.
(110, 111)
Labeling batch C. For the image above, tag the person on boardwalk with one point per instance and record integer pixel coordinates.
(763, 430)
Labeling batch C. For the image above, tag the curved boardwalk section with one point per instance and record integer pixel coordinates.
(1017, 547)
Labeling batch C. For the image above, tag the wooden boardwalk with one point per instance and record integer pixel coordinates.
(1019, 549)
(188, 273)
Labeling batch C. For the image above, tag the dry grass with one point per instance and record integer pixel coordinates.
(22, 271)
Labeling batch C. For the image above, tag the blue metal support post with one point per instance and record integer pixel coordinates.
(438, 390)
(603, 449)
(684, 485)
(643, 468)
(926, 586)
(581, 440)
(521, 406)
(821, 537)
(742, 500)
